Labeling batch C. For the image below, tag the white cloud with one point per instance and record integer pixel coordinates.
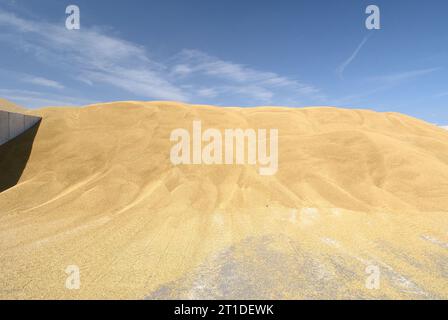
(93, 57)
(232, 79)
(33, 99)
(42, 82)
(340, 70)
(9, 19)
(181, 70)
(383, 83)
(199, 62)
(397, 78)
(207, 92)
(441, 94)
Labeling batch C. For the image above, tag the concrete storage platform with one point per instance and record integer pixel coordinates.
(13, 124)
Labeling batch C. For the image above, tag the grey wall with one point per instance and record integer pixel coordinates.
(13, 124)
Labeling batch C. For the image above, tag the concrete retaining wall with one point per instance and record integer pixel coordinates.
(12, 124)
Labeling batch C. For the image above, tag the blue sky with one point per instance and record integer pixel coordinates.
(244, 53)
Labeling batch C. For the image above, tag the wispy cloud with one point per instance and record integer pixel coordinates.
(231, 78)
(381, 83)
(397, 78)
(30, 79)
(441, 94)
(93, 57)
(34, 99)
(341, 68)
(42, 82)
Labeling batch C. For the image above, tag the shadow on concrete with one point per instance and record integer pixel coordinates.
(14, 156)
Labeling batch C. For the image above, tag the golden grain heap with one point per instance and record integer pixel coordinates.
(354, 188)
